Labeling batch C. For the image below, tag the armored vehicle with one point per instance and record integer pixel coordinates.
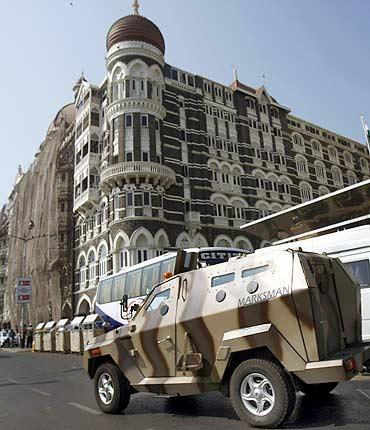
(257, 328)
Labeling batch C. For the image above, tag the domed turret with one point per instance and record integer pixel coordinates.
(135, 28)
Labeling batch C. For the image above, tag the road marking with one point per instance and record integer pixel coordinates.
(43, 393)
(364, 394)
(85, 408)
(335, 392)
(13, 381)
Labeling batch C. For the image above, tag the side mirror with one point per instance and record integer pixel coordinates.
(124, 303)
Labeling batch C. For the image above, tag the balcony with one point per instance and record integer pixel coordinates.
(134, 170)
(86, 200)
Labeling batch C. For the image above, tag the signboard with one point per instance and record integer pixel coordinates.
(23, 290)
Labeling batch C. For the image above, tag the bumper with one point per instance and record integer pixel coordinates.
(342, 366)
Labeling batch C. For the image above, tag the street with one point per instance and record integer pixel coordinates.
(52, 391)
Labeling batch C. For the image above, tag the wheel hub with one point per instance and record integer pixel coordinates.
(257, 394)
(105, 388)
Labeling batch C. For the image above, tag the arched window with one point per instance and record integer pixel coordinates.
(142, 249)
(102, 255)
(348, 160)
(302, 166)
(323, 190)
(82, 270)
(316, 148)
(214, 172)
(286, 183)
(337, 176)
(91, 265)
(238, 207)
(333, 154)
(320, 171)
(263, 209)
(225, 175)
(220, 206)
(260, 180)
(273, 183)
(298, 142)
(306, 191)
(351, 178)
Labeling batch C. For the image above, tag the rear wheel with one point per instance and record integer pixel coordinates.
(262, 393)
(318, 390)
(112, 390)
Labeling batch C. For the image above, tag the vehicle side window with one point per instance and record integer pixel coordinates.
(167, 266)
(105, 288)
(133, 283)
(150, 278)
(254, 271)
(222, 279)
(118, 289)
(158, 299)
(360, 270)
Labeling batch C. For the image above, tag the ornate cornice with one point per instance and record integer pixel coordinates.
(134, 48)
(130, 105)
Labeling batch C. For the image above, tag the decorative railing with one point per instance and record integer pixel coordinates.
(165, 175)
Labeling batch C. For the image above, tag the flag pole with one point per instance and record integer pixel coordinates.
(366, 131)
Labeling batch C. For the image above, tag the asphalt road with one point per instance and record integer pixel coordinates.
(52, 392)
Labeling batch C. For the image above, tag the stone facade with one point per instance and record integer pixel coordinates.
(40, 231)
(4, 220)
(167, 158)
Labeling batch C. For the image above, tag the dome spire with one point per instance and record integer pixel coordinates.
(135, 7)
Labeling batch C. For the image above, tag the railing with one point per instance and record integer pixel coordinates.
(139, 168)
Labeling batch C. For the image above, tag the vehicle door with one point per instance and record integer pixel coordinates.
(359, 266)
(153, 331)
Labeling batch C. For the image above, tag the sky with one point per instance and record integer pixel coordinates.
(314, 55)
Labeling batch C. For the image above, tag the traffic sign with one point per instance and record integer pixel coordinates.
(23, 290)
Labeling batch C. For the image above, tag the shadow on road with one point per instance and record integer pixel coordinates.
(309, 413)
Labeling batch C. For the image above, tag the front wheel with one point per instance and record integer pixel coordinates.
(262, 393)
(112, 391)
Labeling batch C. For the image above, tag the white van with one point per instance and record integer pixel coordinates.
(352, 247)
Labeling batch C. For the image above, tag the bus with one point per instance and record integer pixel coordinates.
(137, 281)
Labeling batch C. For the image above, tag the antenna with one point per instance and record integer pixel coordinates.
(135, 7)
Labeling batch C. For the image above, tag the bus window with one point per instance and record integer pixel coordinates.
(105, 288)
(360, 270)
(133, 281)
(118, 289)
(150, 278)
(167, 266)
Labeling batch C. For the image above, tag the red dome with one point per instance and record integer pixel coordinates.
(135, 28)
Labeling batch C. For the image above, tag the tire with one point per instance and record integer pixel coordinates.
(117, 390)
(274, 382)
(318, 390)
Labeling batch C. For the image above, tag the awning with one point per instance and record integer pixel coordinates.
(91, 318)
(349, 207)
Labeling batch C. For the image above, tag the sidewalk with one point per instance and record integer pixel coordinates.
(15, 349)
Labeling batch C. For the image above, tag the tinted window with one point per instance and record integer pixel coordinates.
(223, 279)
(150, 278)
(254, 271)
(118, 289)
(158, 299)
(167, 266)
(133, 280)
(360, 270)
(105, 288)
